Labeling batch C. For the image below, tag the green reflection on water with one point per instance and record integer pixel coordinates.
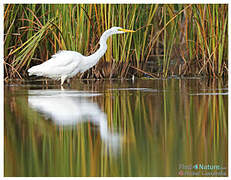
(164, 127)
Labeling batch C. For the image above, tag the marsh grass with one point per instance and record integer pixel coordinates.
(178, 39)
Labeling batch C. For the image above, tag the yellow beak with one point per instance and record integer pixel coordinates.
(126, 30)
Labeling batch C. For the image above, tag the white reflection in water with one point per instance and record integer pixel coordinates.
(134, 89)
(67, 108)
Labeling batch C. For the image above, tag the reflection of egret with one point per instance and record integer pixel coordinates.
(66, 64)
(70, 108)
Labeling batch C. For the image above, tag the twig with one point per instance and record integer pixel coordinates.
(143, 71)
(13, 69)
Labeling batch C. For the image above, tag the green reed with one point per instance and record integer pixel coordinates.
(183, 39)
(206, 38)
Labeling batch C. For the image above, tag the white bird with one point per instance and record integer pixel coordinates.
(66, 64)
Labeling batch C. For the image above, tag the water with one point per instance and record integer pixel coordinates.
(174, 127)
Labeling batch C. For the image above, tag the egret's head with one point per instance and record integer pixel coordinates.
(119, 30)
(111, 31)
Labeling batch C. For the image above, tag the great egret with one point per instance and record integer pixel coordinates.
(66, 64)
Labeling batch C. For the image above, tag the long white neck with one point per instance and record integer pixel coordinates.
(94, 58)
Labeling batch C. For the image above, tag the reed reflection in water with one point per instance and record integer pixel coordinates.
(158, 126)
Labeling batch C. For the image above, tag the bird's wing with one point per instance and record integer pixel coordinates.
(64, 58)
(62, 63)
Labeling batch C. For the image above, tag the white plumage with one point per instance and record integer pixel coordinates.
(66, 64)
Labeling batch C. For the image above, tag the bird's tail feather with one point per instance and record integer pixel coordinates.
(34, 71)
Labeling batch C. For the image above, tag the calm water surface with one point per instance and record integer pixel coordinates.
(174, 127)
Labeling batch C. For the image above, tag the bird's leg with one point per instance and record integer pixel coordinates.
(46, 83)
(69, 82)
(62, 80)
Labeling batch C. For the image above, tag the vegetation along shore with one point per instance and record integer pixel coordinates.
(171, 39)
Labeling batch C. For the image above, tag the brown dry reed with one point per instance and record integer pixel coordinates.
(172, 39)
